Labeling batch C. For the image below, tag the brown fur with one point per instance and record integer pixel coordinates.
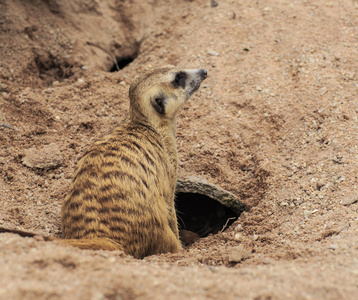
(122, 193)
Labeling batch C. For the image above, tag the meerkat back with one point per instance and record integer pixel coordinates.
(122, 192)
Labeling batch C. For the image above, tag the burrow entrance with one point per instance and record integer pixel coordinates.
(125, 57)
(119, 62)
(203, 209)
(122, 62)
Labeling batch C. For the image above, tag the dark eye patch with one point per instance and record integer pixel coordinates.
(179, 80)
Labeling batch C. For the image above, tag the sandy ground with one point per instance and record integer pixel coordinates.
(275, 123)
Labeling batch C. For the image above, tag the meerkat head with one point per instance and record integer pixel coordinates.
(158, 94)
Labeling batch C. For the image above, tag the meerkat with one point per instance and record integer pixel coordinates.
(122, 192)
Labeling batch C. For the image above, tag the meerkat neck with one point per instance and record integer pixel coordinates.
(169, 126)
(167, 132)
(161, 125)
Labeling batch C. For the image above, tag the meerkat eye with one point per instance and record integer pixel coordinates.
(179, 80)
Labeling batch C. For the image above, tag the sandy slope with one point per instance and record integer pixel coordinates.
(275, 123)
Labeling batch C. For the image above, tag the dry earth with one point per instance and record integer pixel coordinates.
(275, 123)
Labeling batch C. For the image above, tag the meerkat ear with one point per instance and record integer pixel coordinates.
(158, 103)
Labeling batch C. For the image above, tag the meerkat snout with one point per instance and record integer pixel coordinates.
(196, 77)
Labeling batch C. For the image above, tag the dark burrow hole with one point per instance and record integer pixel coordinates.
(122, 62)
(199, 215)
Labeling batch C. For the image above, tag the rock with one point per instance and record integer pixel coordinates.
(238, 254)
(198, 186)
(3, 87)
(6, 96)
(237, 237)
(320, 183)
(313, 182)
(213, 53)
(46, 158)
(238, 227)
(309, 171)
(266, 261)
(308, 213)
(350, 200)
(333, 247)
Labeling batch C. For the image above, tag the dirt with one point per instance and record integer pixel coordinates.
(275, 123)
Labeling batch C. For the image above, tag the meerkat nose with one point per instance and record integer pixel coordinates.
(203, 73)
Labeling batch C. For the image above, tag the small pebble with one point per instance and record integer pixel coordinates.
(320, 183)
(111, 260)
(307, 213)
(213, 53)
(333, 247)
(238, 254)
(350, 200)
(3, 87)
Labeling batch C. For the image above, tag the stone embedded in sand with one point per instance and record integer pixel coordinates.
(350, 200)
(48, 157)
(200, 186)
(213, 53)
(238, 254)
(3, 87)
